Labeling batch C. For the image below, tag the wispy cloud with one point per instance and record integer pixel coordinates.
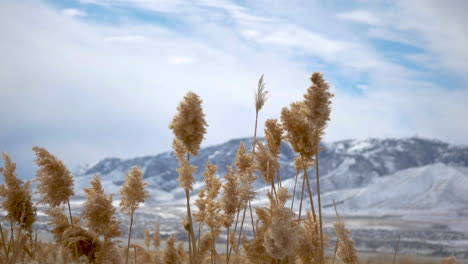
(360, 16)
(180, 60)
(72, 12)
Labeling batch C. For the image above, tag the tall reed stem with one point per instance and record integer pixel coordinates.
(294, 192)
(135, 255)
(12, 237)
(189, 215)
(396, 249)
(235, 229)
(4, 243)
(317, 177)
(69, 213)
(189, 238)
(227, 246)
(302, 198)
(129, 236)
(241, 227)
(191, 234)
(311, 197)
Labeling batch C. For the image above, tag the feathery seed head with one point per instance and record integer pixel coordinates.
(59, 223)
(318, 101)
(186, 170)
(283, 196)
(171, 256)
(300, 166)
(17, 196)
(265, 163)
(55, 180)
(260, 95)
(273, 135)
(299, 134)
(99, 211)
(147, 238)
(449, 260)
(81, 243)
(309, 241)
(230, 202)
(157, 236)
(245, 168)
(189, 125)
(346, 249)
(280, 239)
(133, 191)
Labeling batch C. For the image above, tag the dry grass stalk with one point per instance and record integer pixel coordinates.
(309, 241)
(189, 127)
(157, 237)
(280, 239)
(260, 95)
(449, 260)
(171, 255)
(147, 238)
(55, 180)
(274, 136)
(17, 201)
(132, 194)
(265, 163)
(245, 170)
(317, 100)
(212, 206)
(99, 211)
(230, 203)
(346, 250)
(81, 243)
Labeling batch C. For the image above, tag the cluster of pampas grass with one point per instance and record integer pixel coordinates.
(279, 234)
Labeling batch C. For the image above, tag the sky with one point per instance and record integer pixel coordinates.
(89, 79)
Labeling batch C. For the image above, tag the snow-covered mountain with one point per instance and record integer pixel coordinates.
(370, 174)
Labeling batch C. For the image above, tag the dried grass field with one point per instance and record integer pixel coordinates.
(222, 224)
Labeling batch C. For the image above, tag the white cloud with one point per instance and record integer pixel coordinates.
(180, 60)
(360, 16)
(72, 12)
(124, 38)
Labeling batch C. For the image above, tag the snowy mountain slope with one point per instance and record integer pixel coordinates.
(435, 188)
(358, 173)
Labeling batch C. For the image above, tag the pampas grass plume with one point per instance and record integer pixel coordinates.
(245, 168)
(55, 180)
(274, 136)
(230, 202)
(133, 191)
(189, 125)
(265, 163)
(346, 249)
(260, 95)
(171, 256)
(157, 237)
(449, 260)
(99, 211)
(280, 239)
(186, 170)
(17, 196)
(147, 238)
(317, 100)
(298, 130)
